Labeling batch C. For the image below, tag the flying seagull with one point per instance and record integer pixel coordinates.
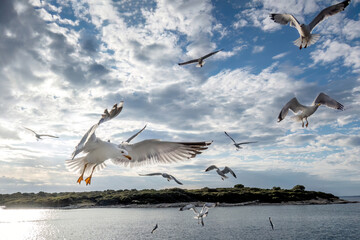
(156, 226)
(271, 224)
(164, 175)
(199, 215)
(306, 38)
(200, 60)
(149, 151)
(221, 172)
(38, 136)
(237, 145)
(307, 111)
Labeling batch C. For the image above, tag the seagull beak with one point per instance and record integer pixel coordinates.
(128, 157)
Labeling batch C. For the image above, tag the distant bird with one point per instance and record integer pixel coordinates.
(306, 38)
(199, 215)
(200, 60)
(237, 145)
(38, 136)
(164, 175)
(271, 224)
(221, 172)
(149, 151)
(307, 111)
(156, 226)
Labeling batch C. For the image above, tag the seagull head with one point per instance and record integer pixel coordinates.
(125, 154)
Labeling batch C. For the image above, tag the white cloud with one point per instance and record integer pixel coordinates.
(258, 49)
(334, 50)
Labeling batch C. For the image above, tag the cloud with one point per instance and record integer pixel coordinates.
(258, 49)
(334, 50)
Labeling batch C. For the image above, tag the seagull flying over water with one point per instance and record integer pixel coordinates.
(164, 175)
(199, 215)
(221, 172)
(307, 111)
(200, 60)
(306, 38)
(149, 151)
(38, 136)
(237, 145)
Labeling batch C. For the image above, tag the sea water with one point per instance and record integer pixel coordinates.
(337, 221)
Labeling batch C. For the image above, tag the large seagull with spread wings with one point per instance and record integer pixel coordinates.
(307, 111)
(200, 61)
(306, 38)
(144, 152)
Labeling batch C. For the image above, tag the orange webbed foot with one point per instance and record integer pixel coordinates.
(80, 179)
(88, 181)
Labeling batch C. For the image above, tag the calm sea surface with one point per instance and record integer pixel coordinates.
(340, 221)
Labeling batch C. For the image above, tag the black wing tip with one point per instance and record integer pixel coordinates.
(341, 107)
(346, 3)
(272, 15)
(279, 118)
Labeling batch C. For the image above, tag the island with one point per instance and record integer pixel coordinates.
(173, 197)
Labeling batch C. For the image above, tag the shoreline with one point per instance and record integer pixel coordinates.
(200, 204)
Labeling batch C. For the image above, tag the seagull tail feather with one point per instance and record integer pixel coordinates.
(313, 39)
(297, 42)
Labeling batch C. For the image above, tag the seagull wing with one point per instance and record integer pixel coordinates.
(212, 167)
(30, 130)
(90, 134)
(46, 135)
(284, 19)
(150, 174)
(156, 151)
(188, 62)
(294, 105)
(228, 170)
(135, 135)
(327, 12)
(246, 143)
(324, 99)
(189, 207)
(178, 182)
(210, 54)
(156, 226)
(230, 137)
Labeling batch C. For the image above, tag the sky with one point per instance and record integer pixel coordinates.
(63, 62)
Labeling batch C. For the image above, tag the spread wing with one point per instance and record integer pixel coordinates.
(135, 135)
(155, 151)
(246, 143)
(90, 134)
(46, 135)
(212, 167)
(188, 62)
(188, 207)
(230, 137)
(210, 54)
(30, 130)
(228, 170)
(178, 182)
(284, 19)
(327, 12)
(294, 105)
(324, 99)
(150, 174)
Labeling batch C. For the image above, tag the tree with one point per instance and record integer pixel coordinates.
(276, 188)
(299, 188)
(239, 186)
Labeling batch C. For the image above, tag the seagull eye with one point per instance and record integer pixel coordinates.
(122, 151)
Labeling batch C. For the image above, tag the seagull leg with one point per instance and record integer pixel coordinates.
(88, 179)
(302, 122)
(82, 175)
(307, 123)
